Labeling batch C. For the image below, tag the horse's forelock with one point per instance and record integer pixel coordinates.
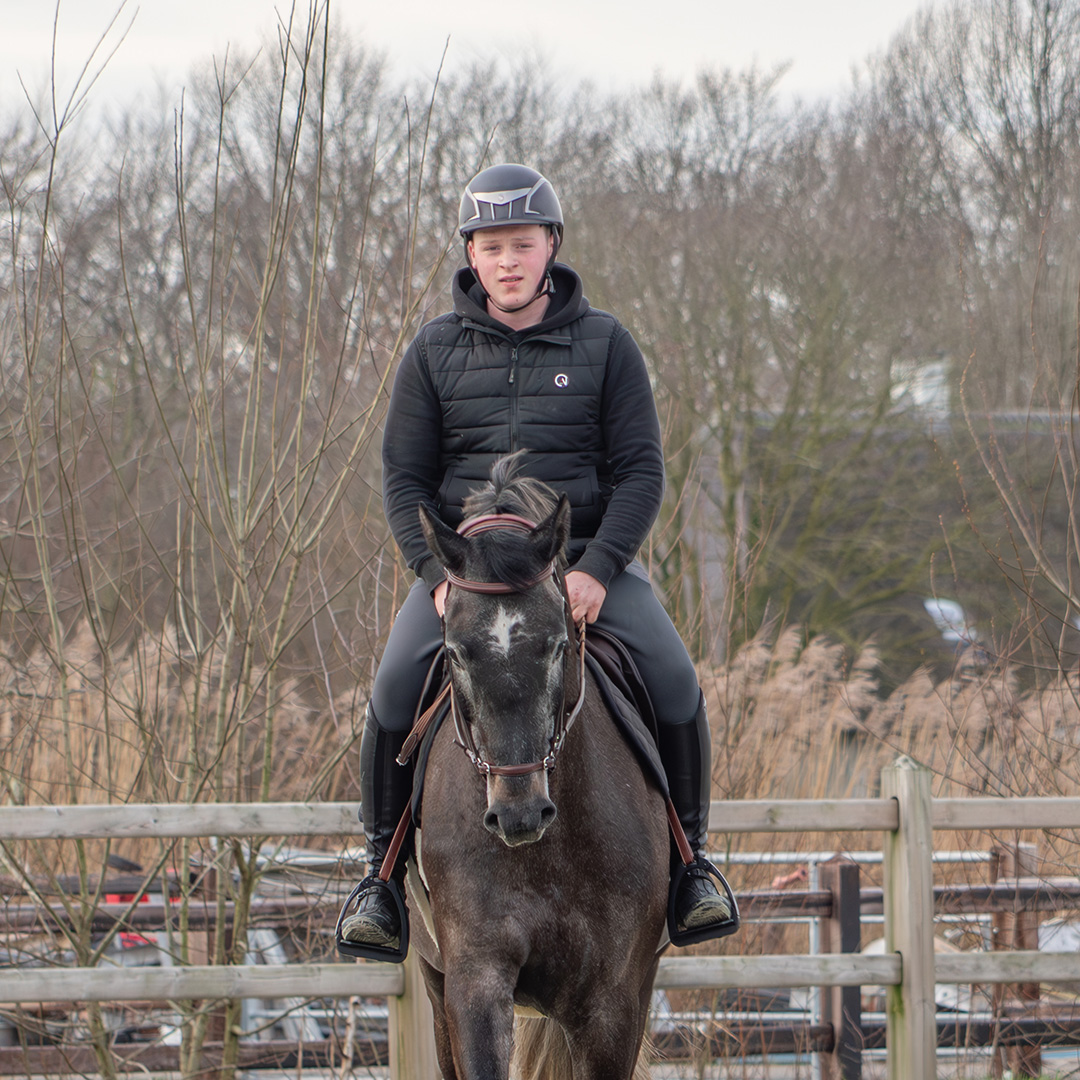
(507, 492)
(509, 560)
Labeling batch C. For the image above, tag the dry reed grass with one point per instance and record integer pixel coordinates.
(139, 727)
(136, 727)
(791, 719)
(797, 719)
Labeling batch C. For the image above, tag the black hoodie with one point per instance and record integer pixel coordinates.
(573, 390)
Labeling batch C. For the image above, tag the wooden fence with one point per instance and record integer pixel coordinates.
(906, 814)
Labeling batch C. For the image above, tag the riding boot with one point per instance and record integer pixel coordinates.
(385, 790)
(699, 909)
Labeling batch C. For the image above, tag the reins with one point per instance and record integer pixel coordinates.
(462, 730)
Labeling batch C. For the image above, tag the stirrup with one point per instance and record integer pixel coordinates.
(710, 931)
(375, 952)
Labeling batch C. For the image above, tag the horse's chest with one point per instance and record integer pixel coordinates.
(523, 897)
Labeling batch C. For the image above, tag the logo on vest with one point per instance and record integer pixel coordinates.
(562, 380)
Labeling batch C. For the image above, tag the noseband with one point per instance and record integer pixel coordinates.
(473, 527)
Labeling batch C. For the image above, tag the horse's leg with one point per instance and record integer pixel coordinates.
(600, 1054)
(605, 1042)
(480, 1010)
(436, 993)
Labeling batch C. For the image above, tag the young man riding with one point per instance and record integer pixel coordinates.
(523, 362)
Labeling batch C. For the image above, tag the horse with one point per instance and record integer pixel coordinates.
(544, 888)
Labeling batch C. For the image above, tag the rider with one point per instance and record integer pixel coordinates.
(523, 361)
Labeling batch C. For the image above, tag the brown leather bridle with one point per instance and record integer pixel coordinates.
(567, 716)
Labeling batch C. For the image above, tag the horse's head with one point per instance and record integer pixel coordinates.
(507, 639)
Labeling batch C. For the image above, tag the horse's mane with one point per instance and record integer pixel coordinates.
(508, 492)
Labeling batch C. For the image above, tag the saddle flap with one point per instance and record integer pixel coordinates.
(624, 693)
(617, 665)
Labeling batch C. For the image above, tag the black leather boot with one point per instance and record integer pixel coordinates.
(701, 905)
(372, 920)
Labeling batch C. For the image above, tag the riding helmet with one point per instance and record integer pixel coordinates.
(510, 195)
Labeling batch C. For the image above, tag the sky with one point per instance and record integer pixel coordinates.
(614, 43)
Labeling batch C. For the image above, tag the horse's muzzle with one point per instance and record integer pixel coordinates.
(518, 809)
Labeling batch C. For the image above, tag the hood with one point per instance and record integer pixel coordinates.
(568, 303)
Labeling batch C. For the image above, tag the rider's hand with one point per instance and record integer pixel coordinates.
(586, 596)
(439, 596)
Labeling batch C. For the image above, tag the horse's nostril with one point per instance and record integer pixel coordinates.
(519, 824)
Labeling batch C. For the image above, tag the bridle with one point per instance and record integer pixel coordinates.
(488, 523)
(567, 716)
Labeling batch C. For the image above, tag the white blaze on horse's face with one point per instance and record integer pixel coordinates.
(502, 628)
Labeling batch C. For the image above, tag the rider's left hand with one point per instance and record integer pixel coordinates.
(586, 596)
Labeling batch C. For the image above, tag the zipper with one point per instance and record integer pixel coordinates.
(514, 407)
(511, 378)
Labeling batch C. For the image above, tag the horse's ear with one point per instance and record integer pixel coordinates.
(552, 535)
(446, 545)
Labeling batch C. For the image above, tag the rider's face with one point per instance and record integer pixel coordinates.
(510, 261)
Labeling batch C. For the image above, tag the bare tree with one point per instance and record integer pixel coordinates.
(995, 93)
(195, 360)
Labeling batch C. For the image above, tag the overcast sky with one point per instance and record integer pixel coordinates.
(616, 43)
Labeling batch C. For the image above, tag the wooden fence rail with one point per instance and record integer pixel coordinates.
(321, 909)
(906, 815)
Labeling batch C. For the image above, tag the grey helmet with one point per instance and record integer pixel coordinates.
(510, 195)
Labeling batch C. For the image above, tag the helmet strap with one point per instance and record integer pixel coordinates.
(547, 288)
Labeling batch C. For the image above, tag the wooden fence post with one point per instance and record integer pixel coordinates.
(1019, 930)
(412, 1031)
(841, 1006)
(910, 1025)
